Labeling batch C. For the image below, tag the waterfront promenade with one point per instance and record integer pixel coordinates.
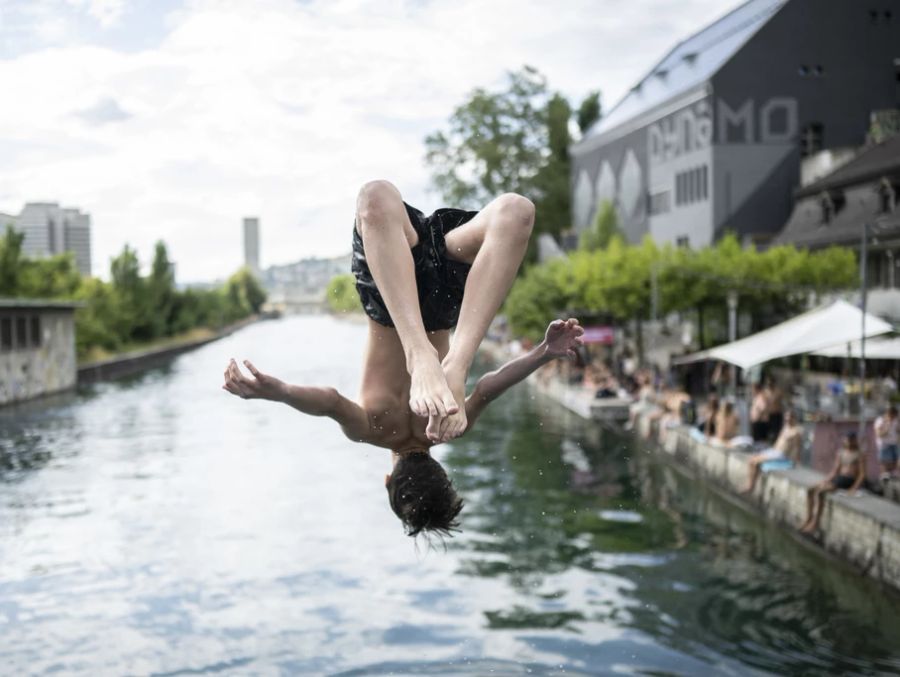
(862, 530)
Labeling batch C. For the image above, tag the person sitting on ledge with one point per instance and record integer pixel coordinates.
(727, 423)
(707, 423)
(785, 454)
(847, 473)
(418, 277)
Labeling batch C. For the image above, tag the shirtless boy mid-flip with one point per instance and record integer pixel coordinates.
(418, 277)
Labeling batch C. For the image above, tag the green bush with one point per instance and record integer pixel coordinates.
(129, 309)
(342, 294)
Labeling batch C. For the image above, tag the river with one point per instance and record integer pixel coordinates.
(159, 526)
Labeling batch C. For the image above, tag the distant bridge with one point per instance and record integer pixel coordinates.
(298, 305)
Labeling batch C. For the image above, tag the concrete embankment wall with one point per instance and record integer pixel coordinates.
(139, 360)
(862, 529)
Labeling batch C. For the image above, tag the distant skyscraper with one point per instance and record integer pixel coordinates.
(251, 243)
(50, 230)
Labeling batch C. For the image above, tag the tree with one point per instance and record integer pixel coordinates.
(342, 296)
(512, 140)
(244, 294)
(615, 281)
(496, 142)
(588, 112)
(10, 261)
(551, 183)
(131, 313)
(161, 290)
(603, 230)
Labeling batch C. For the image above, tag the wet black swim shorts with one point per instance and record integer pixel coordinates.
(440, 280)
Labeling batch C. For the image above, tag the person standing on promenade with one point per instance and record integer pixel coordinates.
(775, 399)
(759, 414)
(886, 437)
(418, 277)
(847, 473)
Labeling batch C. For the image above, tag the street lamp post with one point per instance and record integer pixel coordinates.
(732, 332)
(863, 255)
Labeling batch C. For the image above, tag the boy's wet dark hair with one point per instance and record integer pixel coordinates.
(422, 496)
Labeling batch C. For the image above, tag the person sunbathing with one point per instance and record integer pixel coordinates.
(784, 454)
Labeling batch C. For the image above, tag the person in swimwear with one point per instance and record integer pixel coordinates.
(418, 277)
(847, 474)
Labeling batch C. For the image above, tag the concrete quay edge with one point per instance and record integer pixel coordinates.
(861, 530)
(139, 360)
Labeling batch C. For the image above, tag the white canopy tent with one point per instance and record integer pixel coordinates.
(829, 326)
(876, 349)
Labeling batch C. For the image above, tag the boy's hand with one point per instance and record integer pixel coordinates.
(562, 337)
(261, 386)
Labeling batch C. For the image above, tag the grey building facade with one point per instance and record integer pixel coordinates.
(37, 348)
(711, 140)
(251, 243)
(50, 229)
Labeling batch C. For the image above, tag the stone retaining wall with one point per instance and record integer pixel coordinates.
(139, 360)
(863, 529)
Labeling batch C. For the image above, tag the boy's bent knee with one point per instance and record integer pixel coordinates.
(515, 214)
(376, 199)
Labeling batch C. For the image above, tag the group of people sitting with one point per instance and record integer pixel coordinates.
(769, 417)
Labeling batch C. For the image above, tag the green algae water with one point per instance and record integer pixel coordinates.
(158, 526)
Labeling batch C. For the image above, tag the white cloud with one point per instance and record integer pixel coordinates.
(282, 109)
(106, 12)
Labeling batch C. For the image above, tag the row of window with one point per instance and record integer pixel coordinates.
(692, 186)
(20, 332)
(831, 202)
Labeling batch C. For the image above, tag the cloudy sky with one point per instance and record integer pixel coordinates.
(172, 119)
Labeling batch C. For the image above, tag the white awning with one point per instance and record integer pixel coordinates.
(826, 327)
(876, 349)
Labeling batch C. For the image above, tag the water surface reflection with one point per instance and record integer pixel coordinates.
(159, 526)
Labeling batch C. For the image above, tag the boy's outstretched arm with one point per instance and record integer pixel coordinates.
(307, 399)
(560, 340)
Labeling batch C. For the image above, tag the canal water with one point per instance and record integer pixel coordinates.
(159, 526)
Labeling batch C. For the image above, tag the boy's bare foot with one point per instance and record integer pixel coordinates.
(429, 394)
(454, 424)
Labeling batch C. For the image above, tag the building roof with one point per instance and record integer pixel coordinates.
(39, 304)
(806, 227)
(871, 163)
(690, 63)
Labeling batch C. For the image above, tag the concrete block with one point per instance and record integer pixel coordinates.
(889, 555)
(850, 533)
(736, 471)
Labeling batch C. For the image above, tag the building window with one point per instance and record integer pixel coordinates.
(812, 139)
(6, 333)
(692, 185)
(831, 204)
(35, 331)
(683, 242)
(21, 332)
(660, 203)
(887, 194)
